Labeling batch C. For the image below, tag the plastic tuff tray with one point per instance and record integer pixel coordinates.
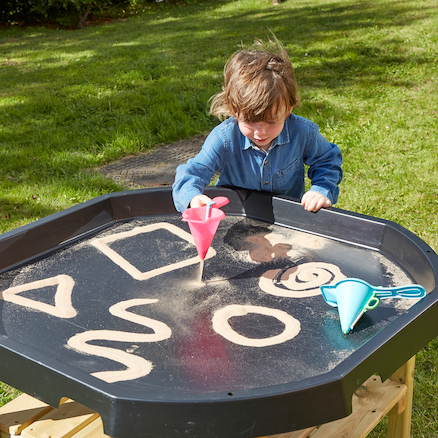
(102, 303)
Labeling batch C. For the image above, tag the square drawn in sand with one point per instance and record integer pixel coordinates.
(102, 244)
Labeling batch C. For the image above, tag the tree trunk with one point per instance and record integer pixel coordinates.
(83, 17)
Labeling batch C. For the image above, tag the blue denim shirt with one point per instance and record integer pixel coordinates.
(280, 170)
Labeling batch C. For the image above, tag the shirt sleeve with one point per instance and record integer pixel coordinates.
(192, 177)
(324, 160)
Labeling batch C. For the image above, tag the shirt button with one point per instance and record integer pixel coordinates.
(266, 183)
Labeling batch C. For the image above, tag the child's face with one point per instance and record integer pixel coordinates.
(263, 133)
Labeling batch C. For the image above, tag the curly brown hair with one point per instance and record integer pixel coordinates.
(257, 81)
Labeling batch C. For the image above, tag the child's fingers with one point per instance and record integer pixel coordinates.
(314, 204)
(314, 201)
(323, 203)
(199, 201)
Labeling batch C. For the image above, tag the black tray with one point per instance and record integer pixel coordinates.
(189, 377)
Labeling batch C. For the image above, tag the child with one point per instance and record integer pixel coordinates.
(261, 145)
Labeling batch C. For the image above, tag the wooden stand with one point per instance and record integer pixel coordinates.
(371, 402)
(30, 418)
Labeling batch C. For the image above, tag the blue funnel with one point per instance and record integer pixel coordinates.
(353, 297)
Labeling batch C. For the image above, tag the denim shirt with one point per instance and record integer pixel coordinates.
(280, 170)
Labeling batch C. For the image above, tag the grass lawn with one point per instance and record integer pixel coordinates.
(367, 74)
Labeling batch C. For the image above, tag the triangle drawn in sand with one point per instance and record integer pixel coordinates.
(63, 307)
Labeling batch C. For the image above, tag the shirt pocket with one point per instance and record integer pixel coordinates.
(291, 175)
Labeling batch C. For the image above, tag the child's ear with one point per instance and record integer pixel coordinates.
(288, 113)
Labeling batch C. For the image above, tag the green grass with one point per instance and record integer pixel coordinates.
(367, 74)
(7, 393)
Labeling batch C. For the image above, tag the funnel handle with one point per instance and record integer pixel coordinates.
(372, 303)
(220, 201)
(410, 291)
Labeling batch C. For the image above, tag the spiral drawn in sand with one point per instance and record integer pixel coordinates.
(300, 281)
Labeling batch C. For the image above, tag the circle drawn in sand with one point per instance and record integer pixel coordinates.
(222, 326)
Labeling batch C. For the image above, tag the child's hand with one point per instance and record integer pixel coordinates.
(199, 201)
(313, 201)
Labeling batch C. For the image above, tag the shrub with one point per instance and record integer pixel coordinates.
(14, 11)
(64, 12)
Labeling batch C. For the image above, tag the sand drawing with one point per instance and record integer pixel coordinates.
(136, 366)
(295, 282)
(63, 306)
(222, 326)
(102, 245)
(262, 245)
(300, 281)
(267, 246)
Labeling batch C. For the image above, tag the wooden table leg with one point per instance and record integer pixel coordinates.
(303, 433)
(399, 418)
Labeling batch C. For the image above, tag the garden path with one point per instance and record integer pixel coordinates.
(155, 168)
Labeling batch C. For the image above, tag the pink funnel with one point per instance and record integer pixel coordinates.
(203, 223)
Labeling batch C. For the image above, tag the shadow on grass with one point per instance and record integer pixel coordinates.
(74, 100)
(21, 212)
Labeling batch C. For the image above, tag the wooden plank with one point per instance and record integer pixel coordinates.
(371, 403)
(303, 433)
(399, 419)
(68, 419)
(92, 430)
(20, 413)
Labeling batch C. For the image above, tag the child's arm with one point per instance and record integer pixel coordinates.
(192, 177)
(325, 172)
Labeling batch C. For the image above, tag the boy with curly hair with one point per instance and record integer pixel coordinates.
(261, 145)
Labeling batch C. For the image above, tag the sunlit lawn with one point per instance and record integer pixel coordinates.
(367, 73)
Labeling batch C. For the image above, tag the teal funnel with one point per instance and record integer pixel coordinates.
(353, 297)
